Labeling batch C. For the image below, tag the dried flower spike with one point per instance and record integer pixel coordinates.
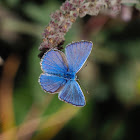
(62, 20)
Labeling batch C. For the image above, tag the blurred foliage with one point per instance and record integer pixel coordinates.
(112, 77)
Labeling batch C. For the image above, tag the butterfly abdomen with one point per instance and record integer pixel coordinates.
(68, 76)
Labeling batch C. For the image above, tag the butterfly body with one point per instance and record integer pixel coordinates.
(69, 76)
(59, 72)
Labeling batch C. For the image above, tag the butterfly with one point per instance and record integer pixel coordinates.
(59, 72)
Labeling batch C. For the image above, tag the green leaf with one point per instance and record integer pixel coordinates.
(41, 13)
(12, 3)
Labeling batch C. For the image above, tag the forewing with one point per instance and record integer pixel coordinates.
(51, 83)
(76, 54)
(54, 62)
(72, 93)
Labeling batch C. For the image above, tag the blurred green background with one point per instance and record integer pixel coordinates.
(112, 76)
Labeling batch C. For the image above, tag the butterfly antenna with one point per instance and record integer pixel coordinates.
(83, 86)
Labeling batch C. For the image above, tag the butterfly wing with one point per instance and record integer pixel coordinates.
(77, 53)
(72, 93)
(54, 62)
(51, 83)
(54, 66)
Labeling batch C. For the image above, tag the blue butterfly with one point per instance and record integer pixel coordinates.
(59, 72)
